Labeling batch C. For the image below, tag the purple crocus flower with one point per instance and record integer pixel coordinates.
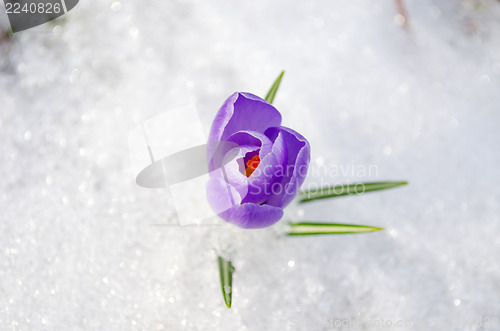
(256, 165)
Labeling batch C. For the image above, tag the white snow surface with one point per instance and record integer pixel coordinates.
(83, 247)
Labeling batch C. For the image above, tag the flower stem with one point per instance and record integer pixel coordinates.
(272, 92)
(226, 270)
(314, 228)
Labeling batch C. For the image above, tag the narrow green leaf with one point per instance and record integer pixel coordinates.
(226, 280)
(341, 190)
(272, 92)
(313, 228)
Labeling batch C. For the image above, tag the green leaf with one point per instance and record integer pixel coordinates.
(341, 190)
(272, 92)
(226, 280)
(313, 228)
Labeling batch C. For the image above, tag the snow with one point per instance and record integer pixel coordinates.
(83, 247)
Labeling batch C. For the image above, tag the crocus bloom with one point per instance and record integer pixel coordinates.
(256, 165)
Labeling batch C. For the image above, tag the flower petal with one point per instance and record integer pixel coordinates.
(261, 183)
(253, 138)
(252, 216)
(234, 169)
(221, 195)
(243, 111)
(234, 161)
(295, 171)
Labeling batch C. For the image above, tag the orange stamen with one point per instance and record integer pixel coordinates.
(252, 164)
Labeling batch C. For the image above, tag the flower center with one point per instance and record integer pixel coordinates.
(252, 164)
